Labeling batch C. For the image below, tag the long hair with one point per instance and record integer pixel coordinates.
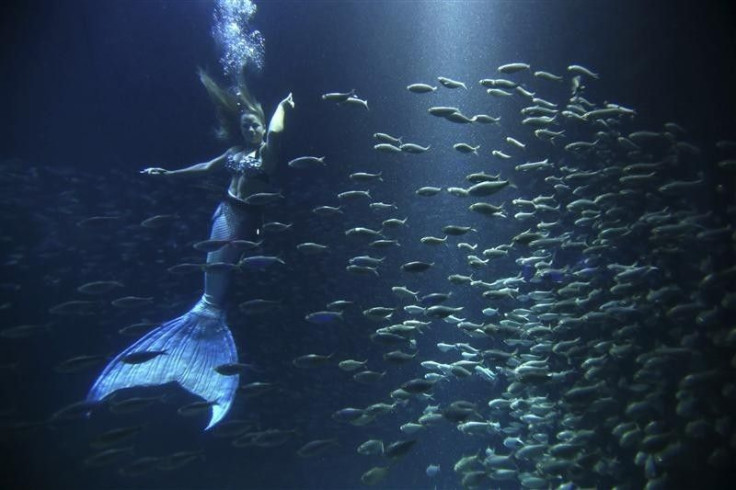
(230, 105)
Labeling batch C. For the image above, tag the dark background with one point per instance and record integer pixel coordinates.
(113, 83)
(95, 90)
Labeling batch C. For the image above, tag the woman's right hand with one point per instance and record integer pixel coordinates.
(154, 171)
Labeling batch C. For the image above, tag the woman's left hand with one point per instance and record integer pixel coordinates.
(288, 102)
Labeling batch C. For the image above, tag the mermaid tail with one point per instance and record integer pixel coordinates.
(194, 345)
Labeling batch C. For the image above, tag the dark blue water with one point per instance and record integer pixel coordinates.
(97, 90)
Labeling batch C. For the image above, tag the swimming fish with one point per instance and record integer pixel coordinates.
(420, 88)
(449, 83)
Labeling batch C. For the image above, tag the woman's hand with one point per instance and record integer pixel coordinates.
(154, 171)
(288, 102)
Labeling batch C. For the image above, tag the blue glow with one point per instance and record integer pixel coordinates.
(195, 344)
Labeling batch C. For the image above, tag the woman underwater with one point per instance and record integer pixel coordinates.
(187, 350)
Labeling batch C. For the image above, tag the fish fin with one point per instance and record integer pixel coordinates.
(196, 342)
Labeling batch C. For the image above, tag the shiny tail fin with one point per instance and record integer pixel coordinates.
(193, 345)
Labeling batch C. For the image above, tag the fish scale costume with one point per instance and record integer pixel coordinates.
(194, 344)
(198, 341)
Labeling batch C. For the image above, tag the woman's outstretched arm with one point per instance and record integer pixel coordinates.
(275, 128)
(193, 169)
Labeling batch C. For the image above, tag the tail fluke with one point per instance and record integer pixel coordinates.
(192, 346)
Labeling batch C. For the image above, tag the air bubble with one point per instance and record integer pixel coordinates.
(242, 46)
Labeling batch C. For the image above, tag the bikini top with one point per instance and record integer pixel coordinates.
(238, 162)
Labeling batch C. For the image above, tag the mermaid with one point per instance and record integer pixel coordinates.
(188, 350)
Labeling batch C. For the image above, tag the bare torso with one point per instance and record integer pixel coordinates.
(250, 167)
(244, 185)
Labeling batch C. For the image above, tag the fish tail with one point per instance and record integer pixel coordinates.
(195, 343)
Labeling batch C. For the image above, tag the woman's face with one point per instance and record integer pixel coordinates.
(251, 130)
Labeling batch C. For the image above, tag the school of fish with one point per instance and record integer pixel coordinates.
(605, 360)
